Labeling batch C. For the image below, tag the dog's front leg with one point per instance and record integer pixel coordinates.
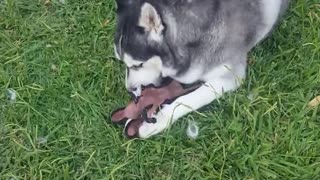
(185, 104)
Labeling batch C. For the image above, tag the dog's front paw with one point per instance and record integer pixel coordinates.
(161, 121)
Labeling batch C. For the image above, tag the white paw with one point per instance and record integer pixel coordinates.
(147, 130)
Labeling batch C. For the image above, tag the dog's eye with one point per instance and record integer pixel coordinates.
(140, 30)
(136, 67)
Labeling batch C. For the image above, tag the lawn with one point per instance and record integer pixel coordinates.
(57, 56)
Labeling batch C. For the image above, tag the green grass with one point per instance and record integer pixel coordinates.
(59, 59)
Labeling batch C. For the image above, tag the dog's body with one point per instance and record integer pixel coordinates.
(190, 41)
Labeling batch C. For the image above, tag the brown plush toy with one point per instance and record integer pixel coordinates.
(150, 101)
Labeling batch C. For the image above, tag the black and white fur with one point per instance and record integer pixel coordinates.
(190, 41)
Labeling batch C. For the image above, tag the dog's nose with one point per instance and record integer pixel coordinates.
(135, 90)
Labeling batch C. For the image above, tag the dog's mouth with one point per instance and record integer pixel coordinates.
(135, 95)
(165, 82)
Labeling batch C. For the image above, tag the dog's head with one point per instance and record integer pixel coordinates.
(139, 42)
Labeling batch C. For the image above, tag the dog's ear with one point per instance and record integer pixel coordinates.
(151, 21)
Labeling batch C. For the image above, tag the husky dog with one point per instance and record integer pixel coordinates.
(190, 41)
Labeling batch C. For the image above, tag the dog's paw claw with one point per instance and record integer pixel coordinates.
(151, 120)
(157, 124)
